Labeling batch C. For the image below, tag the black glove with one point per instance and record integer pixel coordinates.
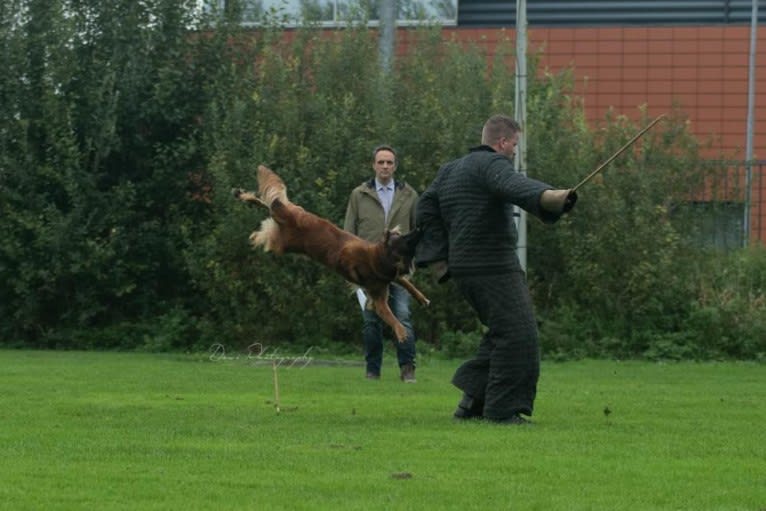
(570, 201)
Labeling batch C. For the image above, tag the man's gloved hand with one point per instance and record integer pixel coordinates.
(570, 201)
(558, 201)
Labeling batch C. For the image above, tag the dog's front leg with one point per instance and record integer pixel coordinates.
(411, 289)
(248, 197)
(380, 305)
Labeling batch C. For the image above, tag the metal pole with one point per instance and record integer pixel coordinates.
(387, 34)
(520, 107)
(749, 136)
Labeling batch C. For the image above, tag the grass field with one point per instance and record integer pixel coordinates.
(136, 431)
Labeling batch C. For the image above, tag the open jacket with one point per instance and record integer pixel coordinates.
(365, 216)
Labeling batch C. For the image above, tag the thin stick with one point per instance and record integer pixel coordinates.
(276, 385)
(618, 153)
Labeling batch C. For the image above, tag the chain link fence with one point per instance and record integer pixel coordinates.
(729, 209)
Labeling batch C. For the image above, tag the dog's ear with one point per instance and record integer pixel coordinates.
(391, 234)
(393, 241)
(403, 246)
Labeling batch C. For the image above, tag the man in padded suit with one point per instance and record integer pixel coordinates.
(470, 236)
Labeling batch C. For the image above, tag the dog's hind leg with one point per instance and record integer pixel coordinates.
(270, 186)
(411, 289)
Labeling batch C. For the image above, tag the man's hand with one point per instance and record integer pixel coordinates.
(570, 201)
(558, 201)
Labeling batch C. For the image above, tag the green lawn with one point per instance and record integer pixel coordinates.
(102, 431)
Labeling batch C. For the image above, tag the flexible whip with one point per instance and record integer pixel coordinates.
(618, 153)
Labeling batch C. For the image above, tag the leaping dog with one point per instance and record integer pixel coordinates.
(371, 266)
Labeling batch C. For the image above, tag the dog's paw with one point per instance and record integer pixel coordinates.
(236, 192)
(401, 333)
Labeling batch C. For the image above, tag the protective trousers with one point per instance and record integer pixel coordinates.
(504, 373)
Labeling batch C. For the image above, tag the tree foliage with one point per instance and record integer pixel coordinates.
(125, 124)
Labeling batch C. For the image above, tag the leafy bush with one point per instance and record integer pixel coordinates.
(122, 132)
(728, 320)
(98, 139)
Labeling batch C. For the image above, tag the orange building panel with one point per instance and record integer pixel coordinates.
(733, 100)
(660, 46)
(608, 86)
(709, 107)
(660, 34)
(710, 73)
(682, 73)
(661, 60)
(636, 33)
(702, 69)
(685, 87)
(560, 34)
(709, 46)
(659, 73)
(683, 33)
(636, 47)
(611, 34)
(610, 73)
(635, 87)
(659, 100)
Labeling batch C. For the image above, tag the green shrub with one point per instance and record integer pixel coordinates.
(120, 145)
(457, 344)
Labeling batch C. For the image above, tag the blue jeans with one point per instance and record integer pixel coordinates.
(372, 331)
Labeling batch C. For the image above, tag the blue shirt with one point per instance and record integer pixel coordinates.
(386, 195)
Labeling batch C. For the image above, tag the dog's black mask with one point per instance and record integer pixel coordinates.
(403, 245)
(401, 248)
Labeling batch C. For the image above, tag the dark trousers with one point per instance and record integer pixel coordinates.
(504, 373)
(372, 331)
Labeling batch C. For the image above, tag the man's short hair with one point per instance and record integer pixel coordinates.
(497, 127)
(383, 147)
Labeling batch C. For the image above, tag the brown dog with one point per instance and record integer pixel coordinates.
(371, 266)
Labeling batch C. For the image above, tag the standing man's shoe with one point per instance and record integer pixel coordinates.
(408, 373)
(469, 408)
(373, 376)
(513, 420)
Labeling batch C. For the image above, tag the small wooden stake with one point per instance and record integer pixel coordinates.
(276, 385)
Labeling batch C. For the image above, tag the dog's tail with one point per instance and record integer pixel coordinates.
(267, 237)
(270, 186)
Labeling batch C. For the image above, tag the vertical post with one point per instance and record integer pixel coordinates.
(386, 46)
(750, 109)
(520, 107)
(276, 386)
(387, 38)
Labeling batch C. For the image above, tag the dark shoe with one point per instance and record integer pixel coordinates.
(373, 376)
(469, 408)
(408, 373)
(513, 420)
(464, 415)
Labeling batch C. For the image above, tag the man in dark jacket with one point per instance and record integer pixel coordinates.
(467, 216)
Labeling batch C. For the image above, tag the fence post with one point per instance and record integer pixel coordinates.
(750, 108)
